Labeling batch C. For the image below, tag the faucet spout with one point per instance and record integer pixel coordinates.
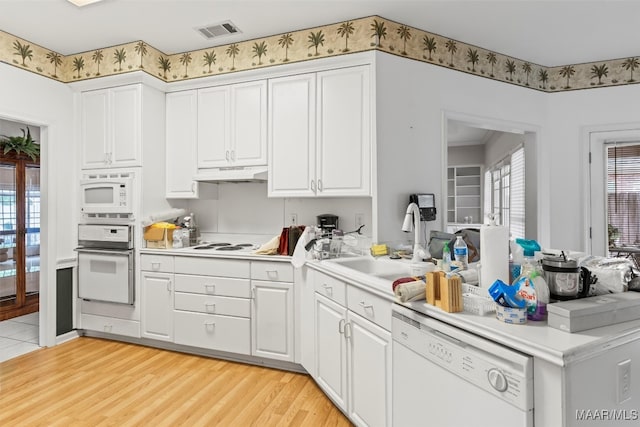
(419, 253)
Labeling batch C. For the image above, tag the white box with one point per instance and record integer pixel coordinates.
(594, 312)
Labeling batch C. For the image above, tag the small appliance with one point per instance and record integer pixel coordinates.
(327, 223)
(426, 202)
(564, 276)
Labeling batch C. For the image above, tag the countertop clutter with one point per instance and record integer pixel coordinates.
(535, 338)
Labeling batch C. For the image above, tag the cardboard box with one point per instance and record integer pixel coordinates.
(593, 312)
(158, 238)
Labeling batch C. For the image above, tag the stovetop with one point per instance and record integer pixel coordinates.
(222, 246)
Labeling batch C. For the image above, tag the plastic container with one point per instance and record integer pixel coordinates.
(446, 258)
(461, 253)
(477, 300)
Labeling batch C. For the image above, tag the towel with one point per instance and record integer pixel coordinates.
(410, 291)
(269, 248)
(401, 280)
(299, 257)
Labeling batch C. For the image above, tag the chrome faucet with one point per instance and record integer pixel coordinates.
(419, 253)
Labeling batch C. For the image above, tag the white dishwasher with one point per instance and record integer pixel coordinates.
(446, 377)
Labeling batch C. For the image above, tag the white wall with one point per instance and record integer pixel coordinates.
(411, 100)
(500, 145)
(37, 101)
(467, 155)
(571, 115)
(244, 208)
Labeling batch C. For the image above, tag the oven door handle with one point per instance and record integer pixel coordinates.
(105, 251)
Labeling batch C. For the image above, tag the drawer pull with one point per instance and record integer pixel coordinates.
(272, 273)
(328, 289)
(209, 289)
(341, 326)
(210, 326)
(155, 266)
(210, 307)
(366, 306)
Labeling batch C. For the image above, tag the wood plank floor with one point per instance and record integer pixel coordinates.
(95, 382)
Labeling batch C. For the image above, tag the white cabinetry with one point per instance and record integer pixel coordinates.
(111, 133)
(232, 125)
(353, 350)
(320, 134)
(157, 297)
(272, 310)
(182, 139)
(212, 304)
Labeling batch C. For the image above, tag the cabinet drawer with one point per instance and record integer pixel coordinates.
(225, 333)
(163, 263)
(209, 285)
(331, 288)
(272, 271)
(213, 267)
(369, 306)
(110, 325)
(209, 304)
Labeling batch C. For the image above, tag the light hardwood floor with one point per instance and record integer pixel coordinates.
(95, 382)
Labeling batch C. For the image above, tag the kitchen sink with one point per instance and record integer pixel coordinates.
(384, 268)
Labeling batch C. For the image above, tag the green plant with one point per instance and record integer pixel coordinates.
(24, 144)
(614, 234)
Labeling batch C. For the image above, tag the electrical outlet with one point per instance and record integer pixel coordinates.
(624, 380)
(293, 219)
(359, 220)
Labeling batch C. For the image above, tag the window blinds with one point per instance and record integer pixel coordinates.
(623, 193)
(516, 226)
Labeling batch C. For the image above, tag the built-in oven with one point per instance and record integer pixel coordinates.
(106, 263)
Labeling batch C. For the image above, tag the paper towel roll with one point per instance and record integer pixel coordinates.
(494, 261)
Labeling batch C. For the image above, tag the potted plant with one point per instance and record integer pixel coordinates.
(614, 234)
(24, 144)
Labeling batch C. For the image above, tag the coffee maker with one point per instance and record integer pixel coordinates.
(327, 223)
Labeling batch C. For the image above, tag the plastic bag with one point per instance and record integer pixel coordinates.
(609, 275)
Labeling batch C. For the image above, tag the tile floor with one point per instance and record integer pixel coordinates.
(18, 336)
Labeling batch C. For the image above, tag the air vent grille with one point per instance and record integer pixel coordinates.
(218, 30)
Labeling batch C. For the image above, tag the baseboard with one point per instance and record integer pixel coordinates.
(67, 337)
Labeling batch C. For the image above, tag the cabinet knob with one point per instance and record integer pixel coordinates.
(233, 155)
(319, 185)
(169, 286)
(209, 326)
(210, 289)
(366, 306)
(155, 266)
(313, 185)
(328, 289)
(226, 155)
(341, 325)
(210, 307)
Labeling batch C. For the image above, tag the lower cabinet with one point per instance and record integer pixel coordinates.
(353, 359)
(272, 320)
(156, 306)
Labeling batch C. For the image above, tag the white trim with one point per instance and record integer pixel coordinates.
(597, 136)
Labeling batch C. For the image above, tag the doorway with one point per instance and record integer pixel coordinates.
(19, 234)
(614, 192)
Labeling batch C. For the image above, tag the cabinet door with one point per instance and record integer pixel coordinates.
(182, 140)
(292, 139)
(95, 129)
(157, 306)
(126, 126)
(344, 132)
(369, 361)
(272, 320)
(213, 127)
(249, 124)
(331, 351)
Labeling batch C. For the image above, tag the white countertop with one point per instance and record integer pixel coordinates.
(534, 338)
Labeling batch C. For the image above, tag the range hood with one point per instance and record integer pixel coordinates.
(232, 174)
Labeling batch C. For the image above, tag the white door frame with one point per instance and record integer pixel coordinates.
(594, 188)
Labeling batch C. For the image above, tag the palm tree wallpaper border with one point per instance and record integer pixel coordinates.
(358, 35)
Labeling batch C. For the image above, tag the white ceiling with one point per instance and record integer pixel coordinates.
(545, 32)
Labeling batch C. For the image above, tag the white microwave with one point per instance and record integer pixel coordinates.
(104, 194)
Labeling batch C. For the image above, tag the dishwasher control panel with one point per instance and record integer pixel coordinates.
(499, 376)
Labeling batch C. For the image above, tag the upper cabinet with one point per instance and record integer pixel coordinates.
(112, 127)
(182, 139)
(232, 125)
(320, 134)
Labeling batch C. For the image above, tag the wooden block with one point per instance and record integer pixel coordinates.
(444, 293)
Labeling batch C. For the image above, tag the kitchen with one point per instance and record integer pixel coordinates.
(401, 128)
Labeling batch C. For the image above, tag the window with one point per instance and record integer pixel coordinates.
(504, 192)
(623, 193)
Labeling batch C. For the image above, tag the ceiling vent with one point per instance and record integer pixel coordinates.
(218, 30)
